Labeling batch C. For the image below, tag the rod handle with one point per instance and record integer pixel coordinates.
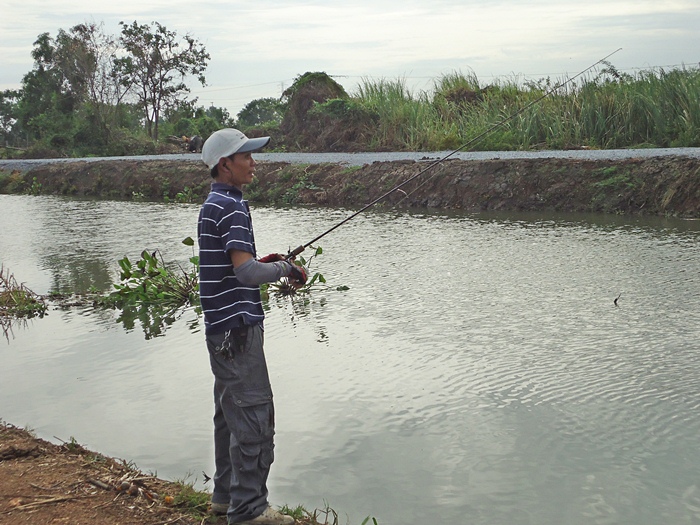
(296, 251)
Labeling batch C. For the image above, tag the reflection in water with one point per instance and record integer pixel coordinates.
(477, 369)
(78, 274)
(155, 319)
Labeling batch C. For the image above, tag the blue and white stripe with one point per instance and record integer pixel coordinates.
(224, 225)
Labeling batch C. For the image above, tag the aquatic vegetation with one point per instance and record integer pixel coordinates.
(284, 287)
(17, 303)
(149, 280)
(150, 292)
(16, 300)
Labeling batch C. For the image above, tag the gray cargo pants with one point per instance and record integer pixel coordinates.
(244, 421)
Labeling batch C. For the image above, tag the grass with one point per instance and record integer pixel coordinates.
(601, 109)
(196, 502)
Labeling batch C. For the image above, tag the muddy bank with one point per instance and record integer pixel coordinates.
(41, 482)
(667, 185)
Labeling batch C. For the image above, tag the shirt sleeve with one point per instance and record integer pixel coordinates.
(237, 229)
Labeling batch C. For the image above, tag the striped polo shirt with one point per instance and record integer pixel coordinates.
(225, 224)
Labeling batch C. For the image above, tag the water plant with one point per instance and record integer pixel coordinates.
(187, 195)
(17, 303)
(150, 280)
(16, 300)
(284, 287)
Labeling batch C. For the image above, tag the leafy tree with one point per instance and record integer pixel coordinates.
(72, 85)
(9, 128)
(220, 115)
(188, 119)
(87, 58)
(261, 111)
(46, 101)
(155, 66)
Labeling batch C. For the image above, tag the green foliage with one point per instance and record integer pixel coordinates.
(148, 280)
(260, 111)
(185, 119)
(607, 110)
(89, 93)
(76, 100)
(315, 79)
(186, 195)
(35, 188)
(303, 182)
(11, 182)
(152, 293)
(154, 66)
(315, 279)
(614, 179)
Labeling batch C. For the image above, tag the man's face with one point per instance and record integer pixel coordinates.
(239, 169)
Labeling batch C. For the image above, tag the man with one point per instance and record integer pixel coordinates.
(229, 279)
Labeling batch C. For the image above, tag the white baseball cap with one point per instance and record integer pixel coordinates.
(226, 142)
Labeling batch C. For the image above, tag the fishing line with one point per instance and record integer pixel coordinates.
(480, 136)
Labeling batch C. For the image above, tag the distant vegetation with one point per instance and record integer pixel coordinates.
(92, 94)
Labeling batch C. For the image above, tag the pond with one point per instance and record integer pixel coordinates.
(476, 370)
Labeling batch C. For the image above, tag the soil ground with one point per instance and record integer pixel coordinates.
(43, 483)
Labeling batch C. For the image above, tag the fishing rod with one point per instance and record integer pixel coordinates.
(481, 135)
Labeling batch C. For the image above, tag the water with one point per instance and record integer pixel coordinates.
(476, 370)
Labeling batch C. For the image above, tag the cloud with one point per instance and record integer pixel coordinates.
(267, 44)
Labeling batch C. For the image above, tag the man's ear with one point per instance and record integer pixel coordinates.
(222, 163)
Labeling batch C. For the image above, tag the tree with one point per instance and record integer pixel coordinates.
(9, 129)
(155, 66)
(261, 111)
(72, 93)
(220, 115)
(46, 102)
(87, 57)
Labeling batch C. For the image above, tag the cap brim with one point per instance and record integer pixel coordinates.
(254, 144)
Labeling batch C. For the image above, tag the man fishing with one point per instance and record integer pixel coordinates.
(229, 279)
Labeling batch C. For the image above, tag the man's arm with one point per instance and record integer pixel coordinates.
(251, 272)
(239, 257)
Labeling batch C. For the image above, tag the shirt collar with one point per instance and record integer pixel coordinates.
(220, 186)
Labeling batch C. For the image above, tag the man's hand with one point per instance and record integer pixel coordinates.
(273, 257)
(297, 276)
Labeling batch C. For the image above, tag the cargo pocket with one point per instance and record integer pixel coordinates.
(255, 427)
(257, 456)
(254, 416)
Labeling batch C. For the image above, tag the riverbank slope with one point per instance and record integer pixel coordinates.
(668, 185)
(42, 482)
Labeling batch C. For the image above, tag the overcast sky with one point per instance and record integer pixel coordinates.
(258, 47)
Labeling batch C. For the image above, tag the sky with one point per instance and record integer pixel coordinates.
(258, 48)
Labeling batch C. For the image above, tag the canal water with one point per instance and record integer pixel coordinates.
(476, 370)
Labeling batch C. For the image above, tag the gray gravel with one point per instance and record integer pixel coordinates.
(359, 159)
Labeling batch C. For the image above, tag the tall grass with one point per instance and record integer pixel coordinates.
(606, 109)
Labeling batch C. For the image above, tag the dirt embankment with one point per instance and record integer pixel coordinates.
(657, 185)
(41, 482)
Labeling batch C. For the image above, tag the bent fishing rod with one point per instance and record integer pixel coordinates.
(480, 136)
